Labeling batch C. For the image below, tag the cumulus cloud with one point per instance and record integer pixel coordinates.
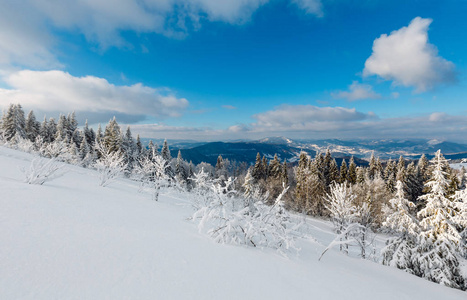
(60, 91)
(357, 91)
(406, 57)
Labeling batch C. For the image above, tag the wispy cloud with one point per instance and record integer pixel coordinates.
(357, 91)
(26, 27)
(310, 122)
(407, 58)
(314, 7)
(230, 107)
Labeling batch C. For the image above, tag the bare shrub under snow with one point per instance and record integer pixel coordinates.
(42, 170)
(152, 173)
(226, 218)
(110, 165)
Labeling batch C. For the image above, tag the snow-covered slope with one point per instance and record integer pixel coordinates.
(72, 239)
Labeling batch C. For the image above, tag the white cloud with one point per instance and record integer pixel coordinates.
(306, 116)
(24, 39)
(438, 117)
(406, 57)
(230, 107)
(318, 123)
(27, 26)
(357, 91)
(60, 91)
(314, 7)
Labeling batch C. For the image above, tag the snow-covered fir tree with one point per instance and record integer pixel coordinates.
(399, 250)
(440, 241)
(32, 127)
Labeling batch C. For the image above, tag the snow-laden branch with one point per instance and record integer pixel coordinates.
(42, 170)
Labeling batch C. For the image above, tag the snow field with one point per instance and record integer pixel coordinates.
(73, 239)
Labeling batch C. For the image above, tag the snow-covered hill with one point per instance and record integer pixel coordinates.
(72, 239)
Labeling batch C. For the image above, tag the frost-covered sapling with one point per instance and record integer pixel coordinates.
(110, 165)
(343, 212)
(400, 249)
(42, 170)
(151, 171)
(229, 219)
(363, 234)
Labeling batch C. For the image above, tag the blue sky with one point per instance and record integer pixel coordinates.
(229, 69)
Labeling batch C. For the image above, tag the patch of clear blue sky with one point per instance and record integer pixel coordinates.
(280, 56)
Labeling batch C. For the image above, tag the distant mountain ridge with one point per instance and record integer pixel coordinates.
(239, 151)
(289, 149)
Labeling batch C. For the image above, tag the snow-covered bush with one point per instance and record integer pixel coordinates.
(363, 234)
(110, 165)
(42, 170)
(22, 144)
(226, 218)
(342, 211)
(152, 174)
(57, 149)
(352, 223)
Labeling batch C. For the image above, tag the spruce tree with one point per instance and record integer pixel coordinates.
(72, 125)
(390, 176)
(220, 168)
(401, 171)
(343, 172)
(165, 152)
(301, 176)
(43, 131)
(316, 187)
(180, 172)
(20, 122)
(62, 129)
(284, 174)
(333, 174)
(139, 145)
(257, 171)
(265, 167)
(99, 134)
(372, 170)
(129, 148)
(52, 130)
(326, 168)
(440, 240)
(423, 168)
(275, 168)
(399, 250)
(112, 139)
(88, 134)
(84, 148)
(13, 122)
(32, 127)
(352, 173)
